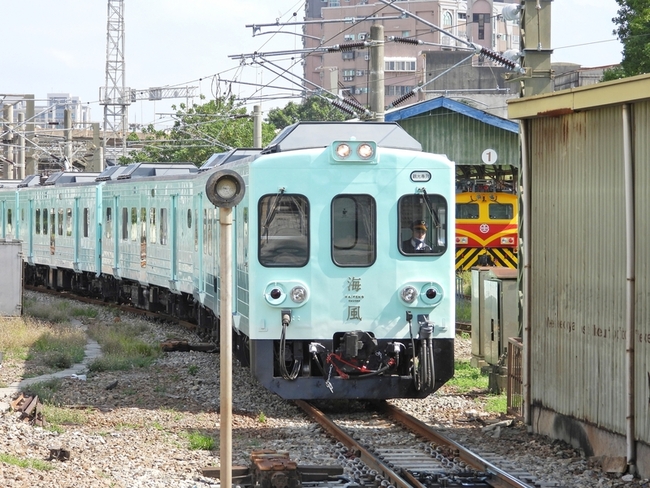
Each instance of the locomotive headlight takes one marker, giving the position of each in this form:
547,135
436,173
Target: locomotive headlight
461,240
507,240
343,150
409,294
365,151
298,294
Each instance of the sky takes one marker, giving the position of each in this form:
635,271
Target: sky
59,46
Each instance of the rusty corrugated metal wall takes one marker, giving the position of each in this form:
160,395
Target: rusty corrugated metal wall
641,123
578,267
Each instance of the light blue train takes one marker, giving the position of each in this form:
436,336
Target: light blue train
343,272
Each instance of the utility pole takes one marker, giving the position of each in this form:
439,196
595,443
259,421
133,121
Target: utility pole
535,43
377,72
257,127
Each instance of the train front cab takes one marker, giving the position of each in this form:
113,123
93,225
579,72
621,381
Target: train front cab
347,311
486,229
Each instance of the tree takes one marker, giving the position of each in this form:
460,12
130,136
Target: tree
313,108
198,132
633,31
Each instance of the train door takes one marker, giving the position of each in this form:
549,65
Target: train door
76,235
115,234
3,208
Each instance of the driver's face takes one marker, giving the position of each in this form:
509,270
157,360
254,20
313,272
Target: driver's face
419,231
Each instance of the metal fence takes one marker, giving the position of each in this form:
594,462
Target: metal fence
515,390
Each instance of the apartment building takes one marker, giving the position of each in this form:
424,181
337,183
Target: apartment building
405,65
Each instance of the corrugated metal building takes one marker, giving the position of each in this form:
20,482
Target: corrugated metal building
462,132
586,280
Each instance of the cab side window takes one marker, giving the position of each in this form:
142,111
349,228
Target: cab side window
283,231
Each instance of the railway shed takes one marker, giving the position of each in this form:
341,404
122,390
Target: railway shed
586,267
464,133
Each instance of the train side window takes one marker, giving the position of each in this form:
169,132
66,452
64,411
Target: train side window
163,226
354,230
60,221
45,214
37,221
501,211
422,224
283,230
52,222
109,223
152,225
467,210
9,223
134,224
189,218
143,237
68,222
125,224
86,222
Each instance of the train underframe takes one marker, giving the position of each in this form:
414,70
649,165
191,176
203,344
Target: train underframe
352,365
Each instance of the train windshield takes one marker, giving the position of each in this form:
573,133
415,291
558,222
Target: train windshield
423,224
501,211
354,224
283,230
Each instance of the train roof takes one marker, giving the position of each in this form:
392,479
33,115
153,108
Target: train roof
9,183
305,135
228,157
141,170
63,177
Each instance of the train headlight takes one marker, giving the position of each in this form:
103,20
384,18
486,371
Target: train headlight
298,294
507,241
343,150
365,151
353,151
462,240
409,294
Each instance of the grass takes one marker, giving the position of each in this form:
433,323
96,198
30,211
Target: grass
122,348
470,380
25,462
198,441
57,345
467,378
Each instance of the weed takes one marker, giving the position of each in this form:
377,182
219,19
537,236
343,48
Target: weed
463,310
122,347
25,462
193,369
200,441
46,390
467,378
261,418
497,403
58,416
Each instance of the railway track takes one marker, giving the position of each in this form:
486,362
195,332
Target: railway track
416,457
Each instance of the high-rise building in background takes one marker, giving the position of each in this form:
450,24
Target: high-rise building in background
407,66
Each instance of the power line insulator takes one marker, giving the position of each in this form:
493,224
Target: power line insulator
347,46
342,107
406,40
402,99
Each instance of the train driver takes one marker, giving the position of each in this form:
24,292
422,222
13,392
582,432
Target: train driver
417,242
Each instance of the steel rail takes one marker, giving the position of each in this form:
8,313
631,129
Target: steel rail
365,455
501,479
